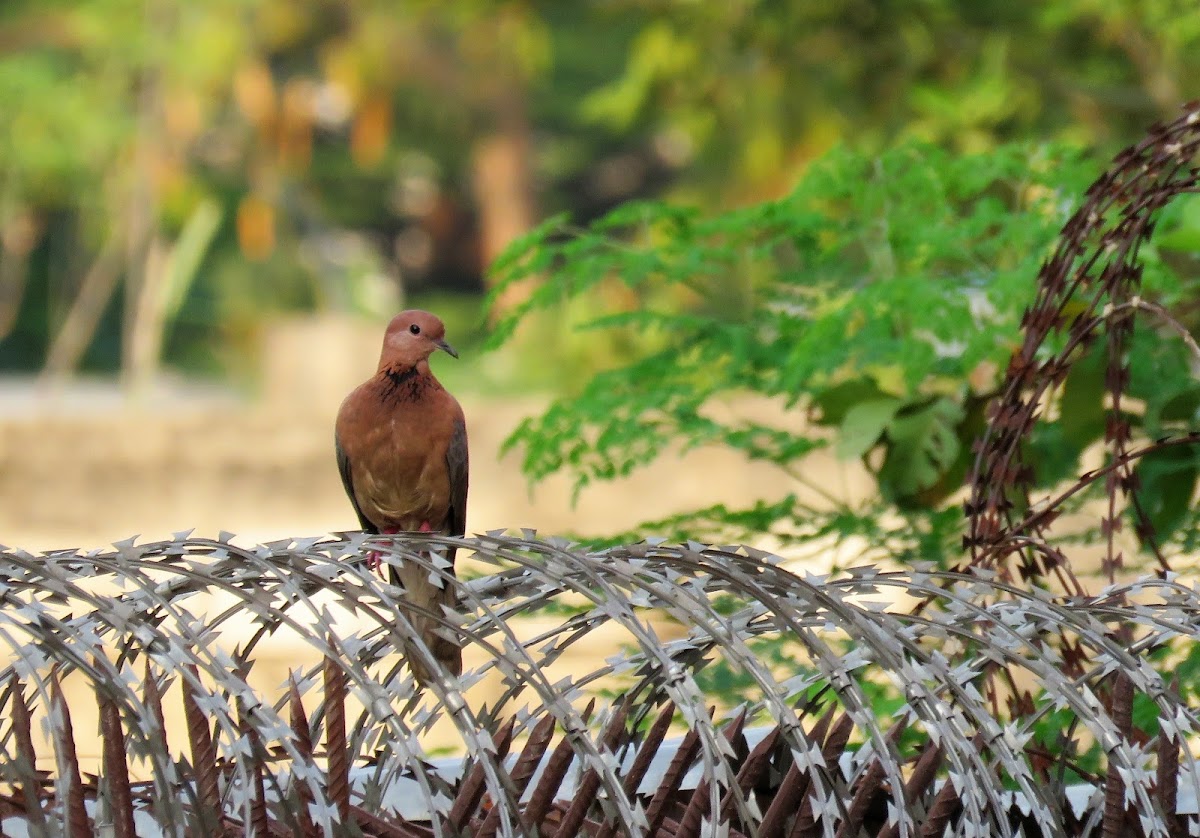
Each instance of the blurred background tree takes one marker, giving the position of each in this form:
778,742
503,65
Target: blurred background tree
173,173
757,89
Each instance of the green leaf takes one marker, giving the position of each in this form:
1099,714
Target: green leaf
1182,407
863,426
1145,714
1081,408
1187,671
1184,235
1167,479
922,445
1052,455
835,402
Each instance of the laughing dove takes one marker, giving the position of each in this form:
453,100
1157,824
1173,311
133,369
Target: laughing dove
402,452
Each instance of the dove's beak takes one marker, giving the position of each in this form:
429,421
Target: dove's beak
447,348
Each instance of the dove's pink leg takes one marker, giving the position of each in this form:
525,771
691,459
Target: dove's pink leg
375,558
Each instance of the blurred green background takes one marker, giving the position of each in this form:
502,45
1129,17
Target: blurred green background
174,174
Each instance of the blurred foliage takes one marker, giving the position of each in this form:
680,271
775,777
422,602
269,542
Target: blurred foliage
340,143
758,87
882,297
335,142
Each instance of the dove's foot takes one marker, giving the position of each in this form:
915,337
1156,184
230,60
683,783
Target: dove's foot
375,558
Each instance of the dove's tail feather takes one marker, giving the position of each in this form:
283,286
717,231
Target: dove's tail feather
424,593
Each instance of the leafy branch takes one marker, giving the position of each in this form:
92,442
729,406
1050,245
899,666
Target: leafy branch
879,300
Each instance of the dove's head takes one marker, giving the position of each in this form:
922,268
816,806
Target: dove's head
411,338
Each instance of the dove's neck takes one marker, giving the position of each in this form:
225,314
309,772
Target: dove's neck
407,382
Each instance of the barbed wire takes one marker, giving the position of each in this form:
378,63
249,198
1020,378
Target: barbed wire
136,615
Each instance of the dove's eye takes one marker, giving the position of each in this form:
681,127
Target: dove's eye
415,329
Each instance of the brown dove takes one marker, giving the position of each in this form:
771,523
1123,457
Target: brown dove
401,445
